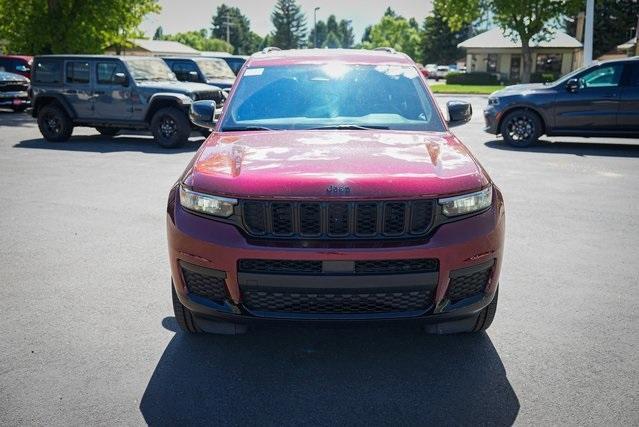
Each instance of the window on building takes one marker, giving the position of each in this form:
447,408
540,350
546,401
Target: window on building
78,72
549,63
492,62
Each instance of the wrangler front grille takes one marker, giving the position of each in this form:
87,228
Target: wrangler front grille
337,220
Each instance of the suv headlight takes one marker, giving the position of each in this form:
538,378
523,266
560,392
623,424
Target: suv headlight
467,203
206,204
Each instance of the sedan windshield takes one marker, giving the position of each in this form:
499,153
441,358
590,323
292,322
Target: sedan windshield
215,69
332,96
150,69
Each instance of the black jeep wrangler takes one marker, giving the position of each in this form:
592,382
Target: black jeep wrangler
112,93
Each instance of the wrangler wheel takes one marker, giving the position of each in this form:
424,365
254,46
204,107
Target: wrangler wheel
170,127
54,123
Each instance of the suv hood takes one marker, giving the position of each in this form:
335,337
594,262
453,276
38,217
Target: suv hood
303,164
177,87
520,89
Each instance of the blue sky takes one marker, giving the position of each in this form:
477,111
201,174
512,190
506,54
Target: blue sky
186,15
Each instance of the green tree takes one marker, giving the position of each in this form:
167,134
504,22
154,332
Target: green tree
395,32
523,20
439,42
289,23
71,26
239,28
614,23
347,38
332,41
342,32
322,32
200,40
159,33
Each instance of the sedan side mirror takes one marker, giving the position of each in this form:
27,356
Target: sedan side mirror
459,112
202,114
572,85
120,79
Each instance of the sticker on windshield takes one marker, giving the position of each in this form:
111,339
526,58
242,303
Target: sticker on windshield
253,72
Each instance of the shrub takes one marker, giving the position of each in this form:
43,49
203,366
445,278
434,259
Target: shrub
473,78
543,77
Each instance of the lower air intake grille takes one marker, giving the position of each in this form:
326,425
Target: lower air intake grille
203,284
464,286
331,302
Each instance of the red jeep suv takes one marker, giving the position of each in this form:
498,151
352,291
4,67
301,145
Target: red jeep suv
331,190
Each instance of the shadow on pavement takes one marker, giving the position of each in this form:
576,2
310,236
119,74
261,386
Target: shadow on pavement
318,376
105,144
11,118
576,148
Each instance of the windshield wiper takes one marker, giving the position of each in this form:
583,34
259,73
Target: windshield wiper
243,128
347,127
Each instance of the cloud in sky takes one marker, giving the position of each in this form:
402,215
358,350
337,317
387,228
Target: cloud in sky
186,15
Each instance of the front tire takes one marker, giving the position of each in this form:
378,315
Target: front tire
521,128
487,315
54,123
183,315
170,127
107,131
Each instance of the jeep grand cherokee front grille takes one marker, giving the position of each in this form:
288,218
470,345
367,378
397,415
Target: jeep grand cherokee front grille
337,220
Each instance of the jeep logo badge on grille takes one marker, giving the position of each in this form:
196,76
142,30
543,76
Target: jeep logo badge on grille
334,189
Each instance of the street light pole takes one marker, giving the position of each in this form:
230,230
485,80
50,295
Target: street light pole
590,12
315,26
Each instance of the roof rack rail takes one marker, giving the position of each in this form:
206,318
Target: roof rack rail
270,49
385,49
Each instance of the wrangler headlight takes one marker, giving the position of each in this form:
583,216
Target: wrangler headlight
206,204
467,203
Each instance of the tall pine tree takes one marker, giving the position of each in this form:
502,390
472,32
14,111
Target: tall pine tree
290,25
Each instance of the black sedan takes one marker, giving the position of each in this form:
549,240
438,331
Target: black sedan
14,91
600,100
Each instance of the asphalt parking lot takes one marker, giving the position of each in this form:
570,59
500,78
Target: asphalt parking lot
88,334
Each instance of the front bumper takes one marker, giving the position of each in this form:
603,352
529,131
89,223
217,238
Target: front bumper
14,100
491,118
212,246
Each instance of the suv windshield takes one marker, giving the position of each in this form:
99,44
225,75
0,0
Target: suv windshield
215,69
332,95
149,69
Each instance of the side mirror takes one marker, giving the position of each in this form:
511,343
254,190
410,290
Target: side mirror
202,114
193,77
120,79
572,85
459,112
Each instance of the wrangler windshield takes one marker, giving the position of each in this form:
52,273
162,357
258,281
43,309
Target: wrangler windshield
150,69
332,96
215,69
